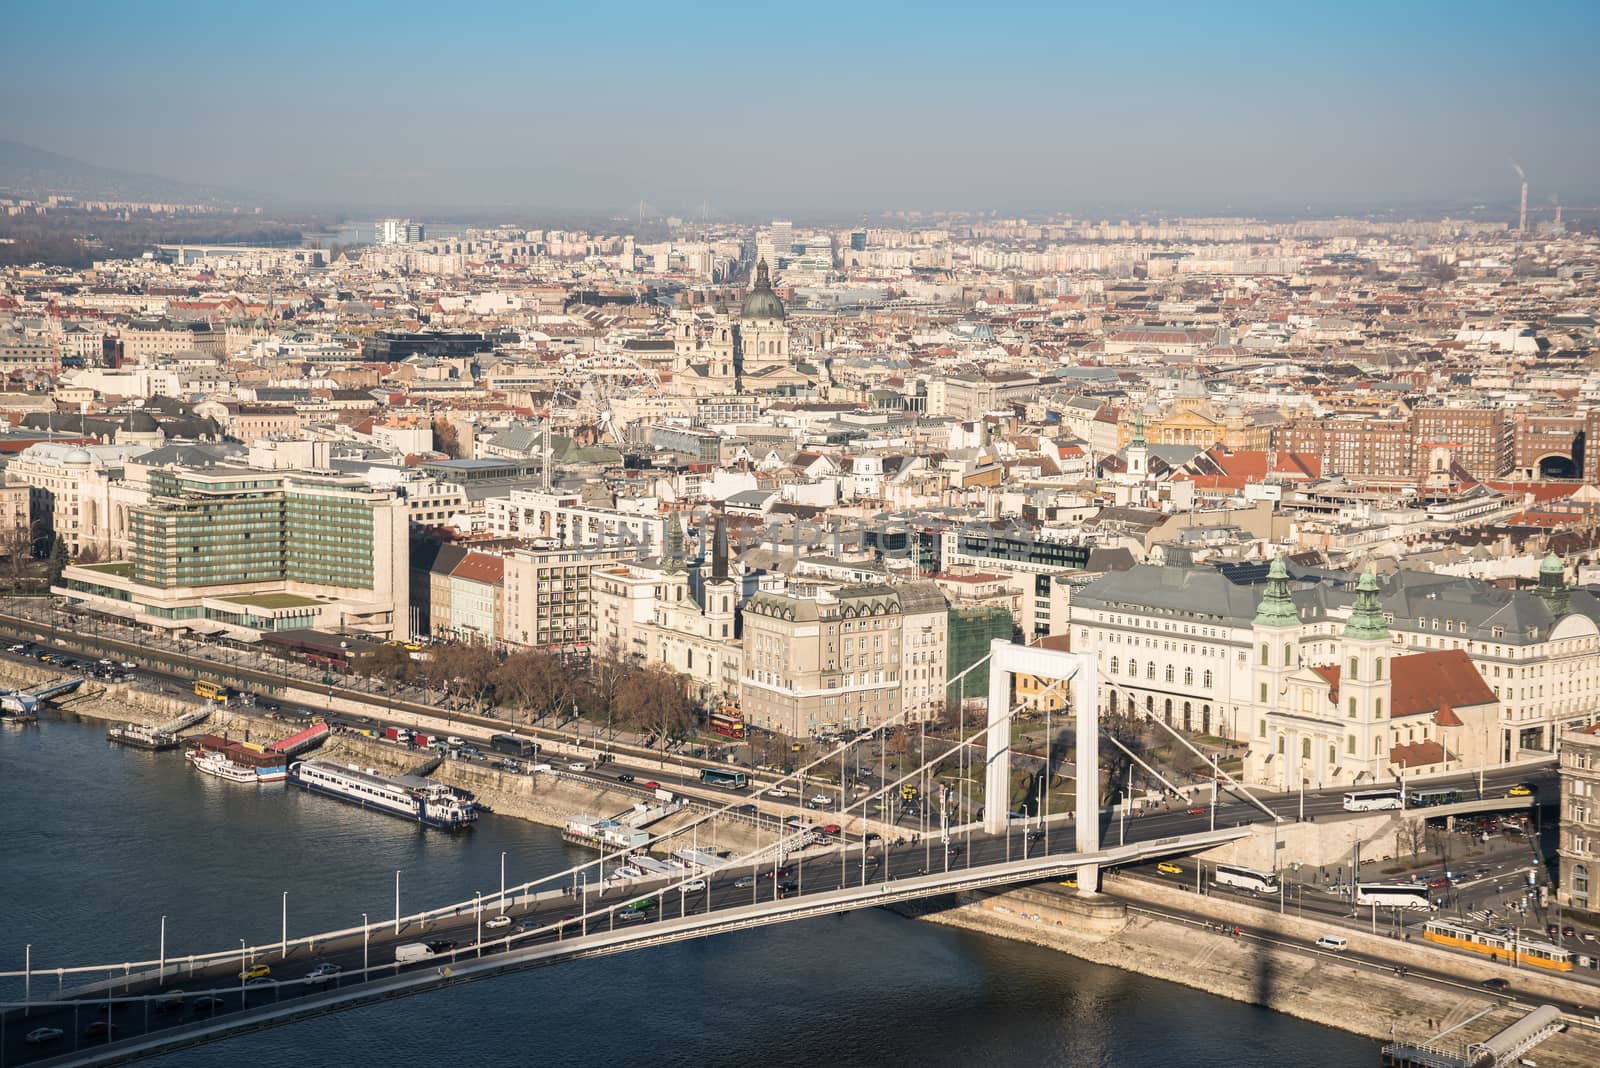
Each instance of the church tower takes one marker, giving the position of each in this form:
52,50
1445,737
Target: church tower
763,333
1364,681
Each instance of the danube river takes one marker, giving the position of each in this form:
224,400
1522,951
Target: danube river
101,842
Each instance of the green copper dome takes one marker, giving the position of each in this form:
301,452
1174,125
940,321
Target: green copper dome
1366,618
1277,607
762,302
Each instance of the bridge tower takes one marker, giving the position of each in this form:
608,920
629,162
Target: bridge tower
1083,697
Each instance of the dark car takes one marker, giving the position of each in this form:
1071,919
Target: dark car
441,945
872,838
624,777
1569,932
780,873
207,1004
956,851
99,1029
1035,836
1496,984
788,889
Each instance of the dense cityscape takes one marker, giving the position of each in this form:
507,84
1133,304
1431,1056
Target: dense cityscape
1081,636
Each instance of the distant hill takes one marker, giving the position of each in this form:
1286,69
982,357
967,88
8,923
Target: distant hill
27,171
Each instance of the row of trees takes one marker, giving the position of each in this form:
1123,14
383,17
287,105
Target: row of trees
609,690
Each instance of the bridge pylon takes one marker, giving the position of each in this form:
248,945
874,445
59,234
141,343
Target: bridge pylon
1083,686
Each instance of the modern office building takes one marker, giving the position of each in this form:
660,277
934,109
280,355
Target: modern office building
236,550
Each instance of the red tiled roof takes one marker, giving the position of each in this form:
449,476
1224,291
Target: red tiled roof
1443,679
1416,754
480,567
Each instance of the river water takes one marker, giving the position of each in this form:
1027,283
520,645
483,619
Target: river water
100,842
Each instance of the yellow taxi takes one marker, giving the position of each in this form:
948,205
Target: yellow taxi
258,971
1522,789
1070,882
1166,867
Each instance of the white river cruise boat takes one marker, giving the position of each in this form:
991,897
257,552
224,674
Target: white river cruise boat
430,803
223,768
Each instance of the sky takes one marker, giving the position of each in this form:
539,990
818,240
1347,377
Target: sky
822,107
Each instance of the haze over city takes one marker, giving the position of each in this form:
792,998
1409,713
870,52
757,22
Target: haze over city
735,534
822,108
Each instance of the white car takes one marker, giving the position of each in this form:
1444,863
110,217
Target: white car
577,767
777,791
42,1034
455,741
496,922
322,973
698,884
822,799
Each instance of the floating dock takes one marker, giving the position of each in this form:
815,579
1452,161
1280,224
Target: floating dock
165,736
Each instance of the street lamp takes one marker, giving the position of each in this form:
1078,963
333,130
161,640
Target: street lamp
502,880
283,945
365,929
397,901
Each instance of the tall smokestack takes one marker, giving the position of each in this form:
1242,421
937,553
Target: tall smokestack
1522,215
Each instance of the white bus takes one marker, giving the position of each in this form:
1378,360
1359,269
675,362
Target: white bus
1394,895
1257,882
1371,800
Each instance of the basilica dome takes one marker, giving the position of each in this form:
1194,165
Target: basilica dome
762,302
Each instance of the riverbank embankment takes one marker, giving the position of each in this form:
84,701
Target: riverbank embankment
1187,938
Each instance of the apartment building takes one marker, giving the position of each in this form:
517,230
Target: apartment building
1579,844
571,523
820,654
547,602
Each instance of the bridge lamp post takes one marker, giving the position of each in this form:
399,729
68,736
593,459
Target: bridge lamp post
244,968
365,929
161,970
283,944
397,900
502,880
584,929
477,910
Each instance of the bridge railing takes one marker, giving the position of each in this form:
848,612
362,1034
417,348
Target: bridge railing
522,893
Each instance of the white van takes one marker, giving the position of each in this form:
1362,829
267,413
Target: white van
1337,943
410,952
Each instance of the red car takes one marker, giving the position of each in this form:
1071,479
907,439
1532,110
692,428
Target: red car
652,785
1197,810
1437,881
831,828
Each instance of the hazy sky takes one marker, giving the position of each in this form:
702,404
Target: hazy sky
802,107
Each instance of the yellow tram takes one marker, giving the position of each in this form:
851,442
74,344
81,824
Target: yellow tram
1534,953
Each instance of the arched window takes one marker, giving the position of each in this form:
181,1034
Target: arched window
1264,654
1354,666
1133,668
1288,654
1169,711
1205,680
1188,676
1378,669
1305,749
1169,673
1150,671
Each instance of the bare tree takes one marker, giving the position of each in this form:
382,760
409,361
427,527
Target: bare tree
535,681
467,667
609,670
656,702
